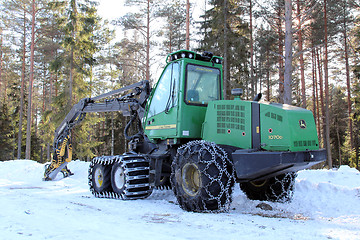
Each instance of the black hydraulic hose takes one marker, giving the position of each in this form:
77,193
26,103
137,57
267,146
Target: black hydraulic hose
140,134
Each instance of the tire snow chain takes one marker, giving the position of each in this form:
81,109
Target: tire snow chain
109,161
287,185
215,151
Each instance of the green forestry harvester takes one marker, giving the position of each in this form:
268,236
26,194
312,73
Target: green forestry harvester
192,140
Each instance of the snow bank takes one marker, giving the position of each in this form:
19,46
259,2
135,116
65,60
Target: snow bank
325,206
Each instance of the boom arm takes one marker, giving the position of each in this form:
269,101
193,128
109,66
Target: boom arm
128,105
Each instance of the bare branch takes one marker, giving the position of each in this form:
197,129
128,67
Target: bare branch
277,54
307,49
308,13
294,30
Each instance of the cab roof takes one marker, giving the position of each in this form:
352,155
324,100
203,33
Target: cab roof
205,56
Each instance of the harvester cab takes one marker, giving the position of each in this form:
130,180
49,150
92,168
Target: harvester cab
178,104
194,141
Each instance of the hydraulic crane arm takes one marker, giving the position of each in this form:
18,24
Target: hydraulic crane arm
131,104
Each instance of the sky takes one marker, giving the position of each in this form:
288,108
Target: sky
113,9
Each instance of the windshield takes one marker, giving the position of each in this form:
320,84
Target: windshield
202,84
165,95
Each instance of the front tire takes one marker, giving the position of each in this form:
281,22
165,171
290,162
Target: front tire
202,177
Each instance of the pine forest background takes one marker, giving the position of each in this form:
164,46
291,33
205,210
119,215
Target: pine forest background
54,53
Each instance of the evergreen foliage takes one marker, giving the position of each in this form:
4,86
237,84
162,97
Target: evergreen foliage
173,32
77,56
338,123
213,39
7,131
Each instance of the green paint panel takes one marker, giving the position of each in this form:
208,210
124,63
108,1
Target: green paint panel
190,121
228,122
162,125
287,128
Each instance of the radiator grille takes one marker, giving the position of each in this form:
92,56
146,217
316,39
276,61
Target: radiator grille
230,117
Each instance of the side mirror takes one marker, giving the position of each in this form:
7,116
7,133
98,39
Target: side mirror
257,97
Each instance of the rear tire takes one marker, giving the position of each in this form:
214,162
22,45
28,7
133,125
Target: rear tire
130,177
118,179
275,189
202,177
101,178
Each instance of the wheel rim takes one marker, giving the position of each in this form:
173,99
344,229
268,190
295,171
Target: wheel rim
99,177
119,178
191,179
258,183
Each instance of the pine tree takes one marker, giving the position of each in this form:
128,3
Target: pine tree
174,30
265,45
7,144
338,124
231,36
141,22
354,158
73,66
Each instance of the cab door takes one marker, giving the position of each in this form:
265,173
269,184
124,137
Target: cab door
162,111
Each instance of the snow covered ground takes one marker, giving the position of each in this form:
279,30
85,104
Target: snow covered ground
326,205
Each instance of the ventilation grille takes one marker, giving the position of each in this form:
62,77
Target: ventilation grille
305,143
274,116
230,117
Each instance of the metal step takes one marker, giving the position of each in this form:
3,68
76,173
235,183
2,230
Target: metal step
131,186
137,177
137,169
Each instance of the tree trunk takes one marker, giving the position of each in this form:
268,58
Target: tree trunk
1,57
225,71
48,155
327,115
147,70
71,77
31,80
72,67
321,93
313,69
347,68
252,81
338,142
280,58
187,25
357,153
171,36
302,68
22,91
288,52
268,74
315,95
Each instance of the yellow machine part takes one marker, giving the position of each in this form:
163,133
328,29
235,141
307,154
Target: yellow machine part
64,154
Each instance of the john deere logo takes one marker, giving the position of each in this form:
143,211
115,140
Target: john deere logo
302,124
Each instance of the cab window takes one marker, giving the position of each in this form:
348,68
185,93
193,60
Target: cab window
166,92
202,84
